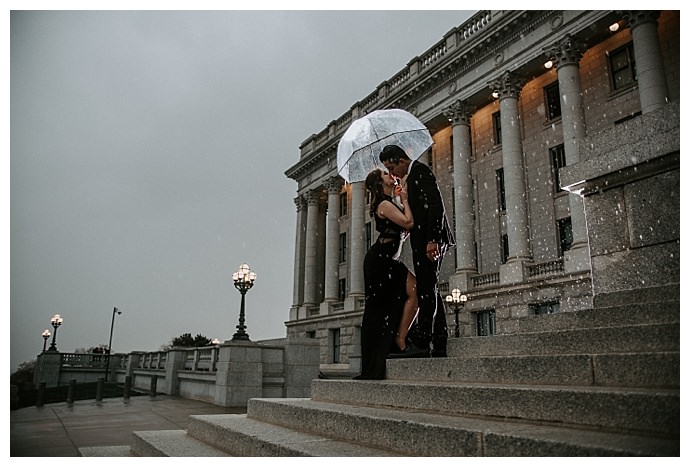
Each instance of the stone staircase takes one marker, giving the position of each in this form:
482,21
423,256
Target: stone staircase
588,383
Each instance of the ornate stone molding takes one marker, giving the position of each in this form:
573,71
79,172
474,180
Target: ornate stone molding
567,51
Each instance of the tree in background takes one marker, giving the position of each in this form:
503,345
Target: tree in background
186,340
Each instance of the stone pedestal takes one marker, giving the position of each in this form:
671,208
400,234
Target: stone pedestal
240,374
629,178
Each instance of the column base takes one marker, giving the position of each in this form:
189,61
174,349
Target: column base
577,259
513,272
461,280
354,302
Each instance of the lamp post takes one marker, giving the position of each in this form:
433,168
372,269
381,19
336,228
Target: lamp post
244,280
456,301
45,335
56,321
110,342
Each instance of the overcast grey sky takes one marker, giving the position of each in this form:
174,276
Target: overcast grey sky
148,151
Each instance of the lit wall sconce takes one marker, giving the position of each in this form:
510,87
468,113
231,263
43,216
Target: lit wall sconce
614,27
548,65
495,94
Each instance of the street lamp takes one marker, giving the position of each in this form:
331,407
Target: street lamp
244,280
110,342
456,301
46,335
56,321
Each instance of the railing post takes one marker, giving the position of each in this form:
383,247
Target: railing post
40,395
127,388
173,363
99,389
154,383
70,391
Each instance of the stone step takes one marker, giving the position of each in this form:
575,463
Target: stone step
664,337
171,443
634,410
416,433
622,315
650,370
242,436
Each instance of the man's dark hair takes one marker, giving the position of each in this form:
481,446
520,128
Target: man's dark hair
393,154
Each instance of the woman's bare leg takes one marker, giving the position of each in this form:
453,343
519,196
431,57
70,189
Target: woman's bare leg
409,311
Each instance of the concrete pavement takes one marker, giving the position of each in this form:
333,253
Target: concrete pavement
99,429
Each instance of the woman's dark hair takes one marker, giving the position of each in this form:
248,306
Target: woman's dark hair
374,183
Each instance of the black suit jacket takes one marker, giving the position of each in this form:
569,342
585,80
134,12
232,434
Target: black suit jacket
430,222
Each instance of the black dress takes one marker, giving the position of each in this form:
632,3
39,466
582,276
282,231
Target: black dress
385,295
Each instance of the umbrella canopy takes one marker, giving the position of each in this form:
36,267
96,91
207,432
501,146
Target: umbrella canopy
361,144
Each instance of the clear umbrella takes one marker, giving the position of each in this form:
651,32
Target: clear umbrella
361,144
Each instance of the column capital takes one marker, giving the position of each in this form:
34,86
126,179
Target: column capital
459,112
313,197
636,17
566,51
300,202
334,184
507,85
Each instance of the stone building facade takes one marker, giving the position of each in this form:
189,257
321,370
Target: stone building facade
509,98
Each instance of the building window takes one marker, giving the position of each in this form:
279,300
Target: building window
622,63
342,289
367,235
335,345
553,101
557,162
565,235
343,204
486,323
310,334
496,118
342,247
505,250
501,186
545,308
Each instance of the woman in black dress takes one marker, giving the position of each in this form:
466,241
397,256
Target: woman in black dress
390,297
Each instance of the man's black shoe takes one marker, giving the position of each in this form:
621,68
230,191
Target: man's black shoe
411,351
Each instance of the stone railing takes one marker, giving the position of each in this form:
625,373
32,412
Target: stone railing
547,268
227,374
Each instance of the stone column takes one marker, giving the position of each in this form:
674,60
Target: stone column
459,114
298,272
332,235
566,55
508,87
651,78
311,251
356,262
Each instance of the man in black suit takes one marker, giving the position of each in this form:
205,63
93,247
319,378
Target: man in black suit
430,238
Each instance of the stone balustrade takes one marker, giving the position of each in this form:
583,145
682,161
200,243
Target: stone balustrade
227,374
